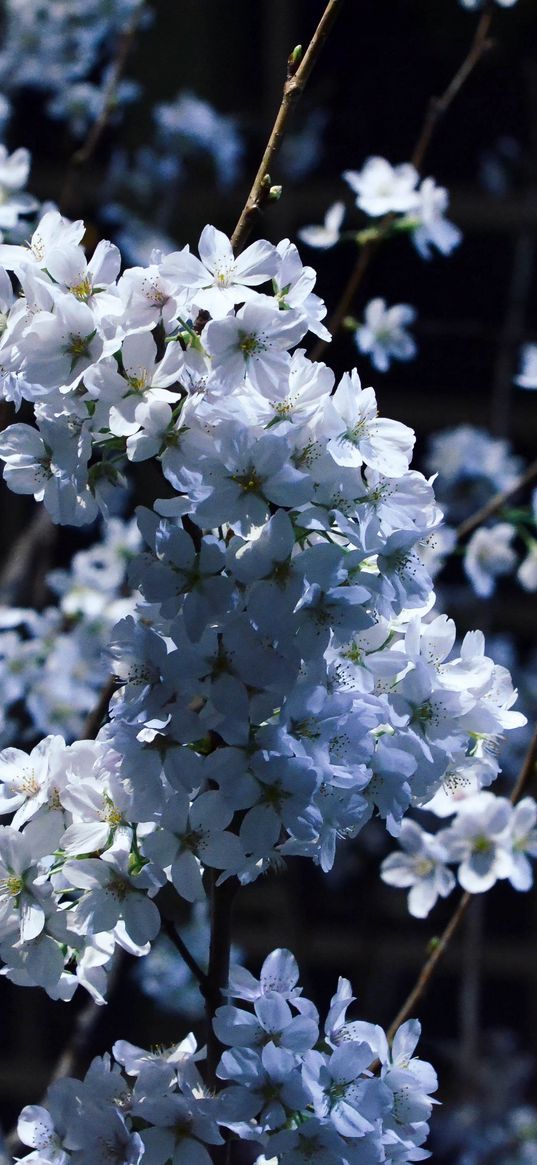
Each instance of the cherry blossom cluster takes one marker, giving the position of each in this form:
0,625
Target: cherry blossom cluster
52,662
489,839
283,677
64,44
393,199
416,205
342,1095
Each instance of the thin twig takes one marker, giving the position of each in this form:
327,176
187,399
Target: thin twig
294,86
437,107
83,155
496,503
429,966
527,770
193,966
440,944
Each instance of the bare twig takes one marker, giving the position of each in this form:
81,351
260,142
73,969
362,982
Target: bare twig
496,503
437,107
294,86
429,966
83,155
193,966
440,944
527,770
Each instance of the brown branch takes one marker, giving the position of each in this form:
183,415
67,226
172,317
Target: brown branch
496,503
98,713
193,966
84,154
294,86
425,975
437,107
527,770
429,966
22,575
221,902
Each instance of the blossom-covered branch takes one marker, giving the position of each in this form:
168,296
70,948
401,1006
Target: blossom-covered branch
439,945
436,109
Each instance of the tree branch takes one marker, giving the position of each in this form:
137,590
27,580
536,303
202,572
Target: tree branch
496,503
98,713
83,155
22,575
193,966
221,899
294,86
437,107
425,975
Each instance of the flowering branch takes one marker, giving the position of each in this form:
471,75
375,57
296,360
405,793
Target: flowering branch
294,86
83,155
496,502
439,945
437,107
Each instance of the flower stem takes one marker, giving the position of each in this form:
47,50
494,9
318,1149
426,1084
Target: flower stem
294,86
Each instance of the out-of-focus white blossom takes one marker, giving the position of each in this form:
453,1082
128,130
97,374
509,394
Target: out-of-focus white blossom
382,335
527,377
488,556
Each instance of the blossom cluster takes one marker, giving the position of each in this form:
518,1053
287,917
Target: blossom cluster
343,1096
489,839
52,662
283,675
417,207
394,199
